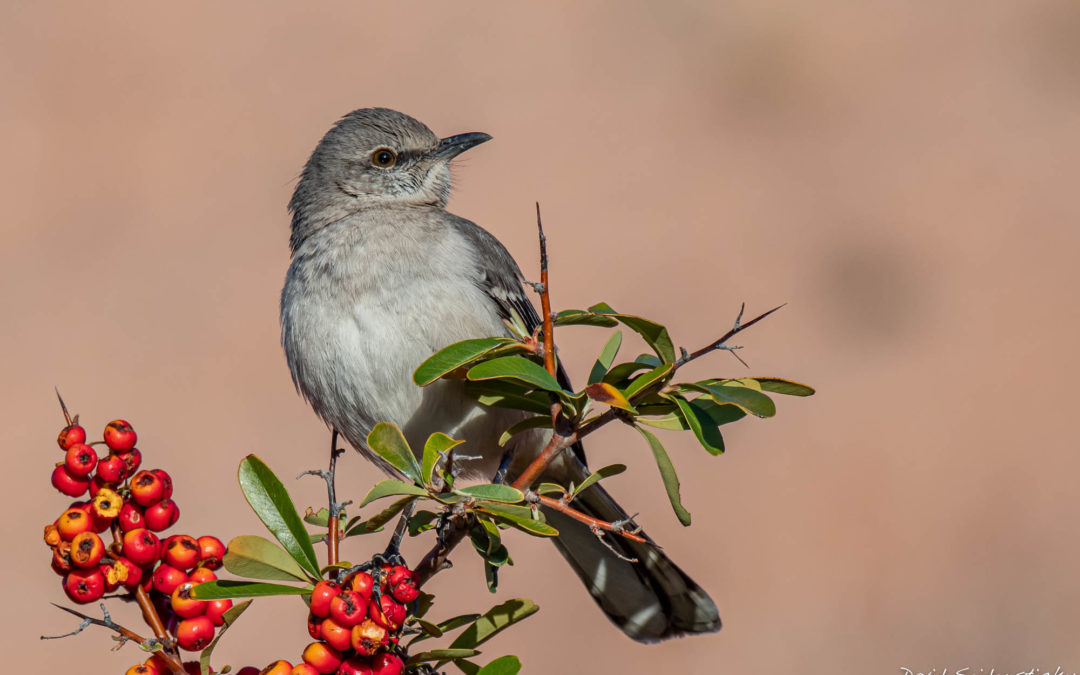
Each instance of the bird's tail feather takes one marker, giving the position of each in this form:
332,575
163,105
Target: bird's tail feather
639,588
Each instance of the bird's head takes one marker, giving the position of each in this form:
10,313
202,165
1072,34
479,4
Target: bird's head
374,158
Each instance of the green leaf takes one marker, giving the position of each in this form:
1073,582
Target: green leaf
504,665
422,521
606,358
440,655
623,371
605,472
538,422
227,588
390,487
229,617
467,667
453,357
386,441
320,518
699,422
648,379
491,575
778,386
577,317
437,444
718,415
512,395
750,400
516,368
493,492
254,557
520,517
448,625
549,488
376,522
430,629
272,504
602,392
667,473
493,621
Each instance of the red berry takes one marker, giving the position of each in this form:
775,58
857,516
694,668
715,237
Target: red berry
201,575
141,547
322,657
184,605
147,488
70,435
279,667
181,551
80,460
119,436
84,586
167,579
131,517
405,591
368,637
348,608
387,612
161,516
211,552
166,481
304,669
314,626
111,469
334,634
72,486
355,665
387,664
324,592
195,634
87,550
215,609
74,521
398,574
363,583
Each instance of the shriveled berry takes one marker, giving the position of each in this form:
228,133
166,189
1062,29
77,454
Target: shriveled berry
211,551
70,435
120,436
52,535
368,637
161,516
133,574
195,634
72,486
87,550
83,586
80,460
61,559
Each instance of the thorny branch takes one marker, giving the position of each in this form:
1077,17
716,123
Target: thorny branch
125,634
333,535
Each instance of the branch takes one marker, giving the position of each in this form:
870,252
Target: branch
738,327
125,634
333,536
437,559
593,523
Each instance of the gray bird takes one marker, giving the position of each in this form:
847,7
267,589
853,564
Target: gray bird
382,276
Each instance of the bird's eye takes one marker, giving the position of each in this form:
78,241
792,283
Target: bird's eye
383,157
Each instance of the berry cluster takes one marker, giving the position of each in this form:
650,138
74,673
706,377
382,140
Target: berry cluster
132,505
356,625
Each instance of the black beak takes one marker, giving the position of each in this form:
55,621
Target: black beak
455,145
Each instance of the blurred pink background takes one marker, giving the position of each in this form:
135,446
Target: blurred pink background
902,174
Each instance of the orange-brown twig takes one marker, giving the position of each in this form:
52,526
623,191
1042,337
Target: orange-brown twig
558,505
333,535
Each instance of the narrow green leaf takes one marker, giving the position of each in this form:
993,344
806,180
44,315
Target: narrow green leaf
519,517
515,368
623,371
698,420
465,666
449,625
718,414
254,557
390,487
493,492
493,621
376,522
271,502
440,655
606,358
491,576
655,335
453,357
577,317
778,386
667,473
538,422
430,629
645,380
437,444
227,588
422,521
504,665
549,488
229,617
602,392
605,472
387,441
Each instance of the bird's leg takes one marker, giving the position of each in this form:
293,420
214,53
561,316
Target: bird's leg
504,467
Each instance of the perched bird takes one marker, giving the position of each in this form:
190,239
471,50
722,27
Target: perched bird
382,276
